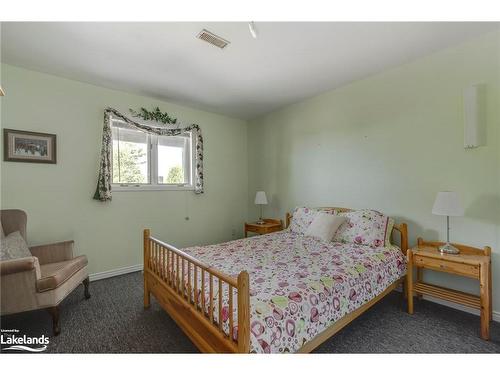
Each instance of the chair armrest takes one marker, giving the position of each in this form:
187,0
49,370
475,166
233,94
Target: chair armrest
52,253
11,266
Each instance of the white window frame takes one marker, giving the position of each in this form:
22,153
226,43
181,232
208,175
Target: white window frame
152,156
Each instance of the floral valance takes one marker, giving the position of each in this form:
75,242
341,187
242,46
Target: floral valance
103,191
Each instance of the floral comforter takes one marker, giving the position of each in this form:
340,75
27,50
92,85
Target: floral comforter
300,285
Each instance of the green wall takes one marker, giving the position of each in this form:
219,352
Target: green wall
390,142
58,198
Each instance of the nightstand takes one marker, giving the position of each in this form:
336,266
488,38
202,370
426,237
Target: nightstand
471,262
269,226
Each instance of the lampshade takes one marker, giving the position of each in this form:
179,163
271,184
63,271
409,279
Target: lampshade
447,203
260,197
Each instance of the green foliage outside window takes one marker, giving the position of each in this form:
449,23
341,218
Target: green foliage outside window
126,165
175,175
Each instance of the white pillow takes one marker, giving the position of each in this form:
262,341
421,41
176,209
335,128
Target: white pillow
302,217
324,226
13,246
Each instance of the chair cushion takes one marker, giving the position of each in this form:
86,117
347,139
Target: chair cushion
55,274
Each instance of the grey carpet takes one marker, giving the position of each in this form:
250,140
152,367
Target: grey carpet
114,321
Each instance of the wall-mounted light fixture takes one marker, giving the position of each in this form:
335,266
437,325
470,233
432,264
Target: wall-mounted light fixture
474,117
2,93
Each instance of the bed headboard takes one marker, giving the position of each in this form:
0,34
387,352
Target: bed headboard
399,228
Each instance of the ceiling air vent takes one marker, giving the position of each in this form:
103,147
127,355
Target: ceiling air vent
211,38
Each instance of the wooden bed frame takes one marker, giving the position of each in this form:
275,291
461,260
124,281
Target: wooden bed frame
163,264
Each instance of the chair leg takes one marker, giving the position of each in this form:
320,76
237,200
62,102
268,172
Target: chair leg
54,312
86,283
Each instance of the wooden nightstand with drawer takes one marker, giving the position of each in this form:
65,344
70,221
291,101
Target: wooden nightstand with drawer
269,226
471,262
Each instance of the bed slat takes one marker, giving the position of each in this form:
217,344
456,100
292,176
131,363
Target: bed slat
211,301
203,291
189,282
195,293
183,279
231,322
177,277
220,304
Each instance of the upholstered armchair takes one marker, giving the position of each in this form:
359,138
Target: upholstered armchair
43,280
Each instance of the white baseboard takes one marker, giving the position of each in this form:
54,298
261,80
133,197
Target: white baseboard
115,272
456,306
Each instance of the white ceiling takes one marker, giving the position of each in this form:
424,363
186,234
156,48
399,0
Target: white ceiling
288,61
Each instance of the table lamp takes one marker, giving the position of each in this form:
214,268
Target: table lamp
260,199
448,204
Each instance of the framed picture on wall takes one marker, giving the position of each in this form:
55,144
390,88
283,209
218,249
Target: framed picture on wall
29,147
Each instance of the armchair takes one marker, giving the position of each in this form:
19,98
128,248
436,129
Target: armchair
42,280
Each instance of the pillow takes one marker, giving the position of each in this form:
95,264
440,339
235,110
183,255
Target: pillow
324,226
14,246
303,217
363,227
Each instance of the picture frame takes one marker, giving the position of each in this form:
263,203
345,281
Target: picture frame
29,147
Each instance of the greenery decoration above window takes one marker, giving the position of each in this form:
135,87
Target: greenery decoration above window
155,115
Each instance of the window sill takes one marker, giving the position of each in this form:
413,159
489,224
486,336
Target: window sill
133,187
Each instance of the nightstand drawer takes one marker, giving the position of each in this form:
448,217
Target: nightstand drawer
262,230
466,270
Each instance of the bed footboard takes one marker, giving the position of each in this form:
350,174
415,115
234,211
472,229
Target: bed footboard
180,284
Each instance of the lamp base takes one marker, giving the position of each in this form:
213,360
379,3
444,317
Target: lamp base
260,221
448,248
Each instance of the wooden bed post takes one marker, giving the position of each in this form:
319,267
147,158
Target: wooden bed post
404,237
243,312
487,252
145,267
409,283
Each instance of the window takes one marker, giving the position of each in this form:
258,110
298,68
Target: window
143,161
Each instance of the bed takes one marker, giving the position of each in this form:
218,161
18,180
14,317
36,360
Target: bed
276,293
